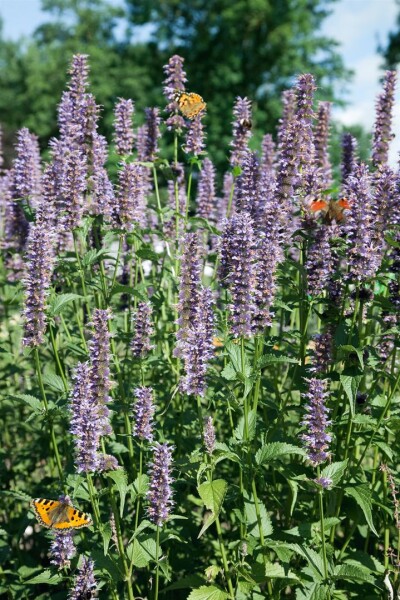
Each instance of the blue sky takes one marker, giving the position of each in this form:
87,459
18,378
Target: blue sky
358,25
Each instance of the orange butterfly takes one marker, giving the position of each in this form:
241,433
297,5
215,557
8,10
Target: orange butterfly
59,515
189,103
332,209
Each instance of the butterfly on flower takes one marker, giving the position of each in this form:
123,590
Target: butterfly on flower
59,515
333,210
189,103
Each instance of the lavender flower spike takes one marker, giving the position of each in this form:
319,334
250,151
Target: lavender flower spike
143,413
206,191
27,170
241,130
85,425
383,123
195,136
321,140
99,352
62,549
209,436
237,270
39,269
160,492
153,121
123,135
197,350
131,196
175,81
85,583
349,158
143,330
316,439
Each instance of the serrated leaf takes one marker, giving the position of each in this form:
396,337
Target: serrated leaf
235,355
54,381
208,592
239,432
273,450
352,573
121,483
141,551
350,385
349,349
212,493
252,521
229,372
362,495
335,471
45,577
106,534
61,301
314,560
268,359
32,401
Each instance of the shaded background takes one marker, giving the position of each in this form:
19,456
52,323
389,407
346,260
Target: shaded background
231,48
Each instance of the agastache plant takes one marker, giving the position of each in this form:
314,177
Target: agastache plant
153,134
142,330
159,495
85,583
143,414
209,436
246,196
349,156
316,438
383,122
321,141
205,204
123,129
194,143
27,169
62,549
37,280
174,82
242,124
131,196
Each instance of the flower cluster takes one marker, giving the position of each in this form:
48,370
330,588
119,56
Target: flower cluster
143,330
123,134
143,410
160,492
316,439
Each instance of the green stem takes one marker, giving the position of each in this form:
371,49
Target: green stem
155,597
322,526
57,357
46,407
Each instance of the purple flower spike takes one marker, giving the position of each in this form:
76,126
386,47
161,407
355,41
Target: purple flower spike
62,549
237,270
349,156
304,123
320,261
197,349
143,330
209,436
27,170
143,410
195,136
206,191
242,125
39,269
323,352
324,482
267,153
85,583
123,135
102,189
99,352
316,439
160,492
288,110
153,134
189,288
383,123
85,424
174,81
131,201
321,141
246,196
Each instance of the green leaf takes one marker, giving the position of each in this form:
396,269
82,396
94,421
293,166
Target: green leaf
208,592
252,522
335,471
54,381
235,355
270,452
212,493
106,533
350,385
121,483
58,302
353,573
349,349
314,560
269,359
45,577
142,551
33,402
362,495
147,253
239,432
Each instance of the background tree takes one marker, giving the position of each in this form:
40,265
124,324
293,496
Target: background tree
251,48
391,52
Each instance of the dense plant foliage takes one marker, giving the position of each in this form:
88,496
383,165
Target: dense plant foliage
212,376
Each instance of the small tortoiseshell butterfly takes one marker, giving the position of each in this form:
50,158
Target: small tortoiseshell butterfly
58,515
332,209
189,103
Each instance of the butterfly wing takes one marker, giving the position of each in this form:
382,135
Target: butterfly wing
319,205
59,515
190,104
